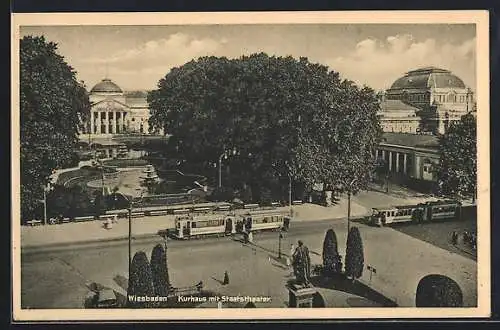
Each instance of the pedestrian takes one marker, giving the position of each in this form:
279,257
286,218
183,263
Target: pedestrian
454,238
226,278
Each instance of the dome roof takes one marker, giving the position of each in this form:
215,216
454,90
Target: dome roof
429,77
106,86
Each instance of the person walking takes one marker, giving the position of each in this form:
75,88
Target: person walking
226,278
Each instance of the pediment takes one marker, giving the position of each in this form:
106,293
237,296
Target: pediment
110,105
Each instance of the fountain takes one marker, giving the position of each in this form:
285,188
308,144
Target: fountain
151,177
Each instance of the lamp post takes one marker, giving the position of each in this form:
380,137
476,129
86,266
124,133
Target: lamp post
290,193
44,205
130,205
225,156
349,206
279,243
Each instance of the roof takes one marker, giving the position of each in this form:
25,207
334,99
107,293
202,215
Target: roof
411,140
428,77
106,86
396,105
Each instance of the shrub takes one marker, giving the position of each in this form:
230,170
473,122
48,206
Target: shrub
331,257
140,281
159,270
438,291
354,260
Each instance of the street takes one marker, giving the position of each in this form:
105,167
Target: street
59,279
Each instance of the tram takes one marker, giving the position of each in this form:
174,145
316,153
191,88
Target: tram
199,226
425,212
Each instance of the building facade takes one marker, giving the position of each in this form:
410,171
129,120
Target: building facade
431,96
410,159
115,112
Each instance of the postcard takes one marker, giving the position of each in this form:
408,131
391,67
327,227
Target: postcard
250,166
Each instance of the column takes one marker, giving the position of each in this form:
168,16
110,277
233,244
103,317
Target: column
99,119
114,121
376,153
106,122
124,123
397,162
404,163
390,161
92,122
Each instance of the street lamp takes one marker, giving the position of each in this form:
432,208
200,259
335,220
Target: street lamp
130,201
279,243
45,190
349,206
225,156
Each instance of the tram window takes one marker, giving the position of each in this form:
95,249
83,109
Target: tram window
193,224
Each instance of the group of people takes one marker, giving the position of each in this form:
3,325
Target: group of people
468,238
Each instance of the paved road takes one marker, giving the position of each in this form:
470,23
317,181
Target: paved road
58,279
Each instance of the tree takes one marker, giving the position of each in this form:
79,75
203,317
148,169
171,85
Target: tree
52,107
438,291
68,202
354,259
457,169
275,112
331,257
159,271
140,283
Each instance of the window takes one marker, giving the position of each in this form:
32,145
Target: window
133,119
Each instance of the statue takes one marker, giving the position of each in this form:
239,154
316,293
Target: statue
302,264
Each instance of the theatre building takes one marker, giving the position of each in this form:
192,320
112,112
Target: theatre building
425,100
410,159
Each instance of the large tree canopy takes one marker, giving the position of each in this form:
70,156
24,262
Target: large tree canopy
283,116
457,170
52,103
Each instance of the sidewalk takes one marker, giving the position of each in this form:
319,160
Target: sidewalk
94,231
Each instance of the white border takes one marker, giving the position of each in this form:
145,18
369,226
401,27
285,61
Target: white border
480,18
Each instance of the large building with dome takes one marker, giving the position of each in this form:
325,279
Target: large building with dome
425,100
114,111
414,111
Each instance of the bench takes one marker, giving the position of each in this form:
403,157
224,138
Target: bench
223,208
202,209
181,211
275,204
86,218
298,202
137,214
250,206
34,222
159,212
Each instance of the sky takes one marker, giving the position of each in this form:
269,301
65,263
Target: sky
137,57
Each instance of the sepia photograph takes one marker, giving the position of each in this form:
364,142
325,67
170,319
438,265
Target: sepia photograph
250,165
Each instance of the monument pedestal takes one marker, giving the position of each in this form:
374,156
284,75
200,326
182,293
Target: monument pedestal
300,296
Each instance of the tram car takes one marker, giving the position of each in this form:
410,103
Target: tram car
425,212
259,222
197,226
